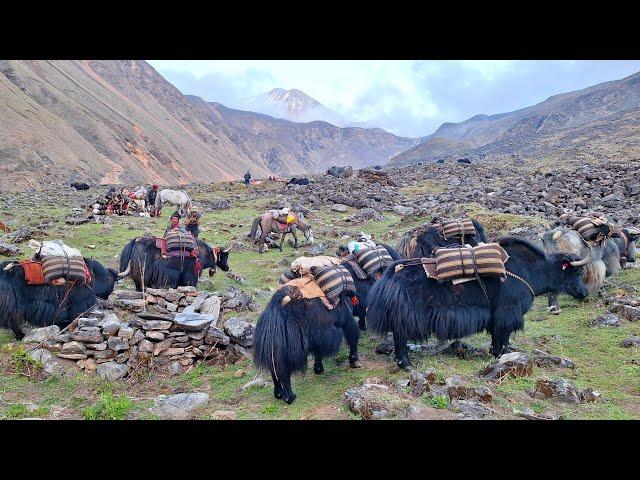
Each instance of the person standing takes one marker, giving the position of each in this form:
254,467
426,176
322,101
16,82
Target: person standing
152,193
247,177
192,222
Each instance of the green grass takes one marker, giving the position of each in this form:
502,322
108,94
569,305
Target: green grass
109,407
600,362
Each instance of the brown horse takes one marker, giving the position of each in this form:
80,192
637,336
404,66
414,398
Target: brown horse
268,225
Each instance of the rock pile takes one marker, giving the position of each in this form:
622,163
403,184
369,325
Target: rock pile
168,330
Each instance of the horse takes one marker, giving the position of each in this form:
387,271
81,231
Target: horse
268,224
174,197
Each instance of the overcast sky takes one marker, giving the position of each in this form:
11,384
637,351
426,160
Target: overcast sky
409,98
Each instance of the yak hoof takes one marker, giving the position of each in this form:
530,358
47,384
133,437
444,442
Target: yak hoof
404,365
278,393
318,369
290,398
355,364
554,310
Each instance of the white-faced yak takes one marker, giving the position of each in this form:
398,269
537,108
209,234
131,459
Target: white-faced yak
604,259
44,305
291,328
421,242
415,307
141,255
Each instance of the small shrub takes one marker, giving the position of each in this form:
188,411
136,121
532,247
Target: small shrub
23,363
269,409
439,401
18,410
109,407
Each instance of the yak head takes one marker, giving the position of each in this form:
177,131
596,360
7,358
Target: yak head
567,270
213,257
103,279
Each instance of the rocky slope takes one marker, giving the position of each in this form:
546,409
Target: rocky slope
122,122
599,122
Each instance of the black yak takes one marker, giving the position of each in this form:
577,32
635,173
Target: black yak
290,328
364,286
421,241
415,307
44,305
79,186
141,255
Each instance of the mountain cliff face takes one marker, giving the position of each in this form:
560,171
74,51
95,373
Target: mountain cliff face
122,122
577,123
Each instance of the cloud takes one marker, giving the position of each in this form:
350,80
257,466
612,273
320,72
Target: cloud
410,98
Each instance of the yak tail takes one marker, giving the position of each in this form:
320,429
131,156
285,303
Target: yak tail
125,256
254,228
379,317
10,304
279,344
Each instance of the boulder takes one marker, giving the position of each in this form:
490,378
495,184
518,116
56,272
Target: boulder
112,370
180,406
51,365
607,320
560,390
191,321
469,410
516,364
240,331
38,335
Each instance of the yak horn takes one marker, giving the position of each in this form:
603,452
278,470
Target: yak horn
8,267
126,272
556,235
285,300
584,261
226,250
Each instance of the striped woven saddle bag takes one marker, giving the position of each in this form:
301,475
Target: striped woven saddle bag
593,229
373,259
470,262
334,280
462,227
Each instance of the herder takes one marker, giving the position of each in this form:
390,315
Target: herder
247,177
192,222
174,224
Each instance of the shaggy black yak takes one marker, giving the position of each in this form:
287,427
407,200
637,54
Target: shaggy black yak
290,328
415,307
422,241
80,186
44,305
141,255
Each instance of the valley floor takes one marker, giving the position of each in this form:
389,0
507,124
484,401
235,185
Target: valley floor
600,361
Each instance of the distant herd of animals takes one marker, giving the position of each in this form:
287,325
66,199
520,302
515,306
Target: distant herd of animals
445,279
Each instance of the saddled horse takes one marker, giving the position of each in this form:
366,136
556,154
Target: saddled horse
174,197
268,225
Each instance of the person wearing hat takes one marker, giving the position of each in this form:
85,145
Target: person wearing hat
152,193
247,178
364,241
192,222
174,224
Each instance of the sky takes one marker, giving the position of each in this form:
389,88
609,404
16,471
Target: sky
406,97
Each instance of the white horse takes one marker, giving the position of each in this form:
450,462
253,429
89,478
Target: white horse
174,197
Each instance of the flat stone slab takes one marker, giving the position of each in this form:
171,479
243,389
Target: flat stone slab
38,335
180,406
193,321
112,370
154,316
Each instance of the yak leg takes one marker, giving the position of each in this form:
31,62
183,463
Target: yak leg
288,395
282,237
318,368
401,352
554,306
352,336
500,343
277,386
261,240
295,237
